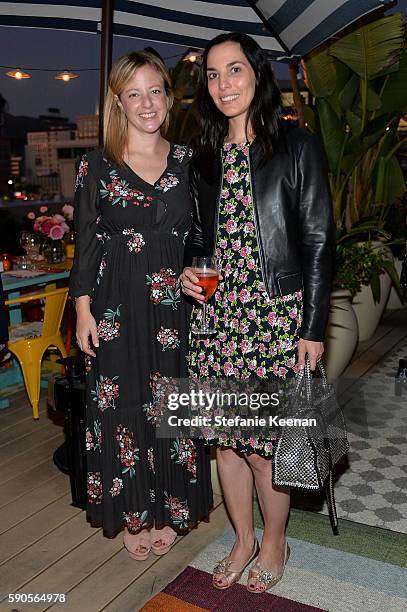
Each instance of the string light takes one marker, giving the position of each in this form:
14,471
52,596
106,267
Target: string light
192,56
66,76
18,74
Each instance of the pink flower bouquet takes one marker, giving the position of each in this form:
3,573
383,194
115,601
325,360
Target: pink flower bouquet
53,227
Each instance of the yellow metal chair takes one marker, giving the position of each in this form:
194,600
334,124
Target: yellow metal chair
30,350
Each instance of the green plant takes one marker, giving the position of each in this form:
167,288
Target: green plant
362,264
358,84
184,115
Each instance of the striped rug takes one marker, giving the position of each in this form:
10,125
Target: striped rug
362,570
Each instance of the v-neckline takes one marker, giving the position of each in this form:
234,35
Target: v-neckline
140,178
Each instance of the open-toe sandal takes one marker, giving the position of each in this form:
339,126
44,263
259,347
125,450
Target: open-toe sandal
137,545
264,577
166,536
222,569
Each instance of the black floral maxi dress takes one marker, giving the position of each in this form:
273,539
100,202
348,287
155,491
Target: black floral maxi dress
257,336
128,256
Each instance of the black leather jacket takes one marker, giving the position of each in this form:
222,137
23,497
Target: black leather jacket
293,219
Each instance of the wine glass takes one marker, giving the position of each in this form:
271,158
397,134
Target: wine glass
29,241
24,240
206,269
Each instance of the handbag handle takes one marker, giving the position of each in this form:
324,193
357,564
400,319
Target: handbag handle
306,375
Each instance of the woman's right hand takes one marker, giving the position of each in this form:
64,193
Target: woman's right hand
189,286
85,326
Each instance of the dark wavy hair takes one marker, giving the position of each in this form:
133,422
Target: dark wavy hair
265,110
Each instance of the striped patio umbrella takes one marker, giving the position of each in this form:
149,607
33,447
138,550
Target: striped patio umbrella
283,27
287,29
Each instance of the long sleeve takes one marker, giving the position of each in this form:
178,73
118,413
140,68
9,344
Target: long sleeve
87,246
194,244
317,239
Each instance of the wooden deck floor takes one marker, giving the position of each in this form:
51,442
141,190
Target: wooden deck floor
46,545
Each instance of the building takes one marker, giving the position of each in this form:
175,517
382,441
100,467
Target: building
4,166
88,126
51,155
16,166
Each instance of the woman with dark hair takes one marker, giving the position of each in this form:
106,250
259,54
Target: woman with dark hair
263,208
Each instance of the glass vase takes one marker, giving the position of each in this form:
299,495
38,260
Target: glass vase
54,251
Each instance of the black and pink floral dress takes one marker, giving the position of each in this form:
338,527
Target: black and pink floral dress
257,336
128,256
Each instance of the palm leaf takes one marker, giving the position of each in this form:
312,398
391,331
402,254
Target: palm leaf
394,94
394,185
390,268
309,116
320,74
333,133
375,287
343,79
348,92
370,49
355,122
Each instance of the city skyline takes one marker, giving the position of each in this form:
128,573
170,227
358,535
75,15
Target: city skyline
44,48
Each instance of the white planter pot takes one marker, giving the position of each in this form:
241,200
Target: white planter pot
394,301
367,312
215,478
341,335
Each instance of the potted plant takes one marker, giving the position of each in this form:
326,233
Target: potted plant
359,97
342,333
396,225
366,270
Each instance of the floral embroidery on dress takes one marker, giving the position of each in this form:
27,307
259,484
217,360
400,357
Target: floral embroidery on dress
128,454
136,242
165,288
102,268
117,486
167,182
109,329
179,511
103,237
179,152
135,520
183,451
106,392
118,191
94,441
168,338
151,459
160,387
184,235
94,487
82,172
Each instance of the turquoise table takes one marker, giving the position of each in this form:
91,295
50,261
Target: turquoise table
12,286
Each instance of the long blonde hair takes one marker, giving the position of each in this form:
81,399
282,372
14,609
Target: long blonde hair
114,119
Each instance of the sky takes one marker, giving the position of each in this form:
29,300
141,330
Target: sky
44,48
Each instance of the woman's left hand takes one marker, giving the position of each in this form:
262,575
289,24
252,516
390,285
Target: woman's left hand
314,350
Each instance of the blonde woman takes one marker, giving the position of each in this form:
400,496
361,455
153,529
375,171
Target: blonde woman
132,211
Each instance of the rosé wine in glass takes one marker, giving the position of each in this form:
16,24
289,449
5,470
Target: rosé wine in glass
206,270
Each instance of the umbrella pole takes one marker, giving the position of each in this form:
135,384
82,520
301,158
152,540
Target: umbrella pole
296,94
106,46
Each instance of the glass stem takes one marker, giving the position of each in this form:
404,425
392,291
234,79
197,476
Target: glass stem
204,317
